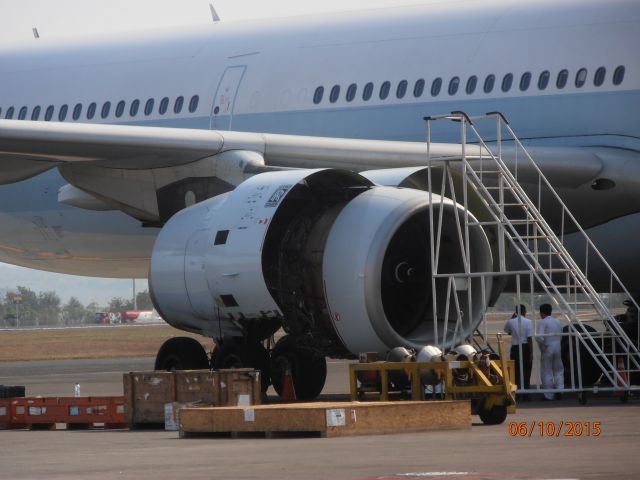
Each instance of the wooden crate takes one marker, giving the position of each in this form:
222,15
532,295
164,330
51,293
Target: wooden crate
146,393
328,419
241,386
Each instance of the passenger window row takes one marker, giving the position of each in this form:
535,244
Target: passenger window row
104,111
472,82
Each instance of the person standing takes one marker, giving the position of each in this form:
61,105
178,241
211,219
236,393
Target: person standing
552,370
521,330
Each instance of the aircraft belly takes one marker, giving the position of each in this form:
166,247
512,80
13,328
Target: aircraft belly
38,232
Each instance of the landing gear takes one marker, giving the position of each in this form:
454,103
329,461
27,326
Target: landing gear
237,353
181,353
308,370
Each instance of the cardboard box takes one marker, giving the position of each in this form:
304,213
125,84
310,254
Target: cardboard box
147,393
238,387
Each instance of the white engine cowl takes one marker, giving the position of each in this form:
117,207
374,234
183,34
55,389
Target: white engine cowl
344,265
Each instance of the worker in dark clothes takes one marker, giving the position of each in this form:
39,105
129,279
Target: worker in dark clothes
521,330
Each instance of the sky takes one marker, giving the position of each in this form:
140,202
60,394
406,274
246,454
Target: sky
81,18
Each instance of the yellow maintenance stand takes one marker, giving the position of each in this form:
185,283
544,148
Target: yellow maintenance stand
486,383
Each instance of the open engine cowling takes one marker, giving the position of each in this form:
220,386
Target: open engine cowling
342,264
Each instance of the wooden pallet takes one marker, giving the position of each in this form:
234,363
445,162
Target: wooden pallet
327,419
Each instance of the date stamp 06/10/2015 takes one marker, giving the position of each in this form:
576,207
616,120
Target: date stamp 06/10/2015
560,428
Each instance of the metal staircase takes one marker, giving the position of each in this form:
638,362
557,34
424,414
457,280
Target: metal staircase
490,173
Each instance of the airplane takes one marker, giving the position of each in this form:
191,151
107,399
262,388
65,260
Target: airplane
250,169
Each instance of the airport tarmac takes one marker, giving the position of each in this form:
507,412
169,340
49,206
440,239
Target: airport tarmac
483,452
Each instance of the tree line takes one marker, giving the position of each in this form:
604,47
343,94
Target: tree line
24,307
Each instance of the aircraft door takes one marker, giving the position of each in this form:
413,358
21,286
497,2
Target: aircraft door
225,97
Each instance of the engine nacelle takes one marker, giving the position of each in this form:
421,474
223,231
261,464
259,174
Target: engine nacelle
342,264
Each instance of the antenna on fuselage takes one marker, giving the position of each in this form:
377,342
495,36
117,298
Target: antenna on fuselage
214,14
35,32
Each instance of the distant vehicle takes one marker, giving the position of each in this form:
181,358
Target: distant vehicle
139,316
107,318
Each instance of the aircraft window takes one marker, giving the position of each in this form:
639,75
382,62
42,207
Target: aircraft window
133,108
62,114
525,81
561,81
120,108
177,107
9,114
106,106
335,93
384,90
436,86
91,110
317,96
418,88
35,115
368,91
148,107
507,80
77,111
23,113
471,84
543,80
164,104
48,115
401,90
454,83
598,78
618,75
489,82
193,103
581,77
351,92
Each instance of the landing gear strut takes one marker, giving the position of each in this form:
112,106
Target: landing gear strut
308,370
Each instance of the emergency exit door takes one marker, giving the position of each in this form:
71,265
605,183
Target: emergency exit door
225,97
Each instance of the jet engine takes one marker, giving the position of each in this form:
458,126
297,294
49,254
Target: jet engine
342,264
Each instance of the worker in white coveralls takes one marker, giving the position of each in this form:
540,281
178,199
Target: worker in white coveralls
552,370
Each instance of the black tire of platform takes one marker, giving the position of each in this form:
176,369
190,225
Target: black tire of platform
494,416
308,370
237,354
181,353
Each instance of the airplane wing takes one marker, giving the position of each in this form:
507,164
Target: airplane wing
147,171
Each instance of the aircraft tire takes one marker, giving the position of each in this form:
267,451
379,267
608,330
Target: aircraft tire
308,370
181,353
234,353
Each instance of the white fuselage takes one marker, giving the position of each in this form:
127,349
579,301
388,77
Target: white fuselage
264,77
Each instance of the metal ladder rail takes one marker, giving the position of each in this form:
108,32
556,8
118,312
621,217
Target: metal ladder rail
617,333
543,278
611,323
574,271
561,253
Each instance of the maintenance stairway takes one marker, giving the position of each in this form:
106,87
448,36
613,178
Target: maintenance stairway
488,174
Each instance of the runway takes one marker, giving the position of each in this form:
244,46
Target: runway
483,452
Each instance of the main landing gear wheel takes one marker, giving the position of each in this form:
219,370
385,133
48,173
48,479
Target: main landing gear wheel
234,353
308,370
181,353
